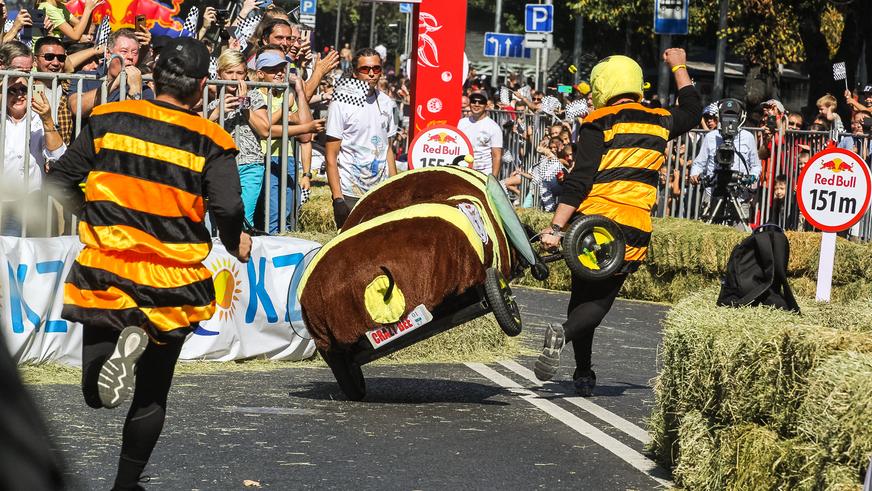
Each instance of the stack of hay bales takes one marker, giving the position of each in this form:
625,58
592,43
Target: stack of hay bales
687,256
758,398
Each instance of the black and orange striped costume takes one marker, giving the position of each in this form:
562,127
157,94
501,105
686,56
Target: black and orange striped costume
148,166
619,153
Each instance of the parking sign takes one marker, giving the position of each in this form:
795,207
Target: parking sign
308,7
539,17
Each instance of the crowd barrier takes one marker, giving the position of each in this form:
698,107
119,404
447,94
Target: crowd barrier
677,197
255,315
41,215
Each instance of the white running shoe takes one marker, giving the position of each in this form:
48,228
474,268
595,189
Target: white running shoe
116,380
549,361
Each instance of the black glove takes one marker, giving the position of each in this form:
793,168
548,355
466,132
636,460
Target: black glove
340,211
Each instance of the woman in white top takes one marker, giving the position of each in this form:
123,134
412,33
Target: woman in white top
25,151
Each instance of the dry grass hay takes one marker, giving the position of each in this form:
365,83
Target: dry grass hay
836,415
316,215
746,365
698,466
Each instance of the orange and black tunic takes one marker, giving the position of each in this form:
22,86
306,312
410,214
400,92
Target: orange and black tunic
619,153
148,165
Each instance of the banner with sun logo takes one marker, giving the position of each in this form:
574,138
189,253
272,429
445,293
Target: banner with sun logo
254,314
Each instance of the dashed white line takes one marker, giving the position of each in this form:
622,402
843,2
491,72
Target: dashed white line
586,405
584,428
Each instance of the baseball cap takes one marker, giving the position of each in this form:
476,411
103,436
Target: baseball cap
711,110
867,89
188,53
772,102
269,59
478,96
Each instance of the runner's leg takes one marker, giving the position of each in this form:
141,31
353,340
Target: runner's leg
145,419
588,304
98,343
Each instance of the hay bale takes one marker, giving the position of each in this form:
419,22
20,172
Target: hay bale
836,414
747,364
698,465
316,215
753,457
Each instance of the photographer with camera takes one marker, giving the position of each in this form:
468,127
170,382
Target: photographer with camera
773,128
728,166
861,129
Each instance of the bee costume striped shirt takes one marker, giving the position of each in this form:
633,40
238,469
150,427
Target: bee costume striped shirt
148,166
619,152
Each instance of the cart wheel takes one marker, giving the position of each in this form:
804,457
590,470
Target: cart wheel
347,373
594,247
502,302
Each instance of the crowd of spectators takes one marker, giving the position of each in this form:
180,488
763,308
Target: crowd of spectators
524,136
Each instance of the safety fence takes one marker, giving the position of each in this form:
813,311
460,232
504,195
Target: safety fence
25,213
27,210
787,152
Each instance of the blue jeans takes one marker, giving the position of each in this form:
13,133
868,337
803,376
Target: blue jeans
251,181
292,196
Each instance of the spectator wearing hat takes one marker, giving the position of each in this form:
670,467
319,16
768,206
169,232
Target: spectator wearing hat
865,99
485,135
139,286
710,117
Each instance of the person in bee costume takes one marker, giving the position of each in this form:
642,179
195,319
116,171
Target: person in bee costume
619,152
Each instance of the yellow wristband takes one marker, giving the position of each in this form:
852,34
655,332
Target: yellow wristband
678,67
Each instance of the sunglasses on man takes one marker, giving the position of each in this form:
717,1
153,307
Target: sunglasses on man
477,100
376,69
53,57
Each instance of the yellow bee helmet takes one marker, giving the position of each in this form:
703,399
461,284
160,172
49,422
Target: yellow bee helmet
614,76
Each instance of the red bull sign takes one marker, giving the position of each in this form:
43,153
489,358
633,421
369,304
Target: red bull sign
161,17
439,145
833,189
437,63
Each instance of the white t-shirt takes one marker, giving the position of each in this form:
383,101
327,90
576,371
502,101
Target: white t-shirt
484,135
364,132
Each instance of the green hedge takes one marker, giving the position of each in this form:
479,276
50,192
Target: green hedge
764,399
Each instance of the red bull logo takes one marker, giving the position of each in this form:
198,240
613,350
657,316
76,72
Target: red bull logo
442,138
838,165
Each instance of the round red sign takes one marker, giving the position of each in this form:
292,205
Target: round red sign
833,189
438,145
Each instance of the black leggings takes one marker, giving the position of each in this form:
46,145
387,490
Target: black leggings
589,303
145,419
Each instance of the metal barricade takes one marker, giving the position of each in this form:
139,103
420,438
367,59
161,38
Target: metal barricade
27,208
522,133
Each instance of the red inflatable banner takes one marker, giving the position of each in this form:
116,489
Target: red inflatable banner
438,74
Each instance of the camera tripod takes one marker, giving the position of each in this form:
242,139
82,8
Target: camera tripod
727,210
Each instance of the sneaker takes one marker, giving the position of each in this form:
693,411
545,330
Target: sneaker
549,361
585,384
115,383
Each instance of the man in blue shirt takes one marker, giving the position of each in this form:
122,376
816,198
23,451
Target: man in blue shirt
746,160
122,54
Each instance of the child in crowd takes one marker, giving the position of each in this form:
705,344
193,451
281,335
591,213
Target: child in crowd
827,108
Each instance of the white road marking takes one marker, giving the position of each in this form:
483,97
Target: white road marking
584,428
586,405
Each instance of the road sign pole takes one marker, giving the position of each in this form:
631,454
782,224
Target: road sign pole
545,62
663,74
721,53
825,267
372,25
538,54
576,53
496,67
338,24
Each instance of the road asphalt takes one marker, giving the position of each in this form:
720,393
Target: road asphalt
433,426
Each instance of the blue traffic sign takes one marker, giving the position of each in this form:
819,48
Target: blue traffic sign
308,7
405,8
499,45
670,17
539,18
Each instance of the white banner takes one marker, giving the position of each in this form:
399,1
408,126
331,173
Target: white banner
254,317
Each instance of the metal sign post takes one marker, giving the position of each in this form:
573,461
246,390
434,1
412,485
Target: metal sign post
539,24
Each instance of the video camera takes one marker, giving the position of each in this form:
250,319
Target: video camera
731,114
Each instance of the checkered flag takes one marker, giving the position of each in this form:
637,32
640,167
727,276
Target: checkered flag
577,109
525,92
190,24
245,28
8,26
103,32
304,195
550,105
840,72
505,96
213,67
350,91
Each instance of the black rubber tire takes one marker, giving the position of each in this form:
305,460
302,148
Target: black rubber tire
502,303
610,259
348,374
